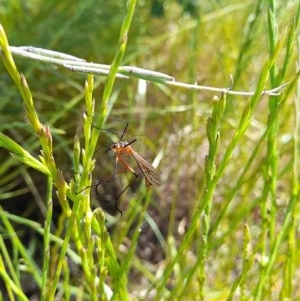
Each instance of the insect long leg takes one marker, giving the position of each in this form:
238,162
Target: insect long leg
124,131
105,180
112,178
132,141
102,181
118,196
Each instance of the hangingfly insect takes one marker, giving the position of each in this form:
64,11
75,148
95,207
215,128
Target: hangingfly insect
122,149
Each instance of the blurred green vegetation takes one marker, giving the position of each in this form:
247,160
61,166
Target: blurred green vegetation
194,41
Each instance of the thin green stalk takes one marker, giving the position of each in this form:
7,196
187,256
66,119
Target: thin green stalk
272,159
248,262
82,235
193,68
291,267
66,281
83,178
31,264
11,286
133,212
249,34
288,226
269,213
291,37
10,267
290,263
214,227
210,170
130,6
47,231
54,283
246,259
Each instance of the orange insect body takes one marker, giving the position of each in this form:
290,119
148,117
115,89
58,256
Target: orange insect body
152,177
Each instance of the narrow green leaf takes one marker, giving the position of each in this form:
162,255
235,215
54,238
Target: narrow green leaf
22,155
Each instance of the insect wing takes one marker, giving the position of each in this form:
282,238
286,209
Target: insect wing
152,177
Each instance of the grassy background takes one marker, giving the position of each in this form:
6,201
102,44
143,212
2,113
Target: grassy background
224,224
